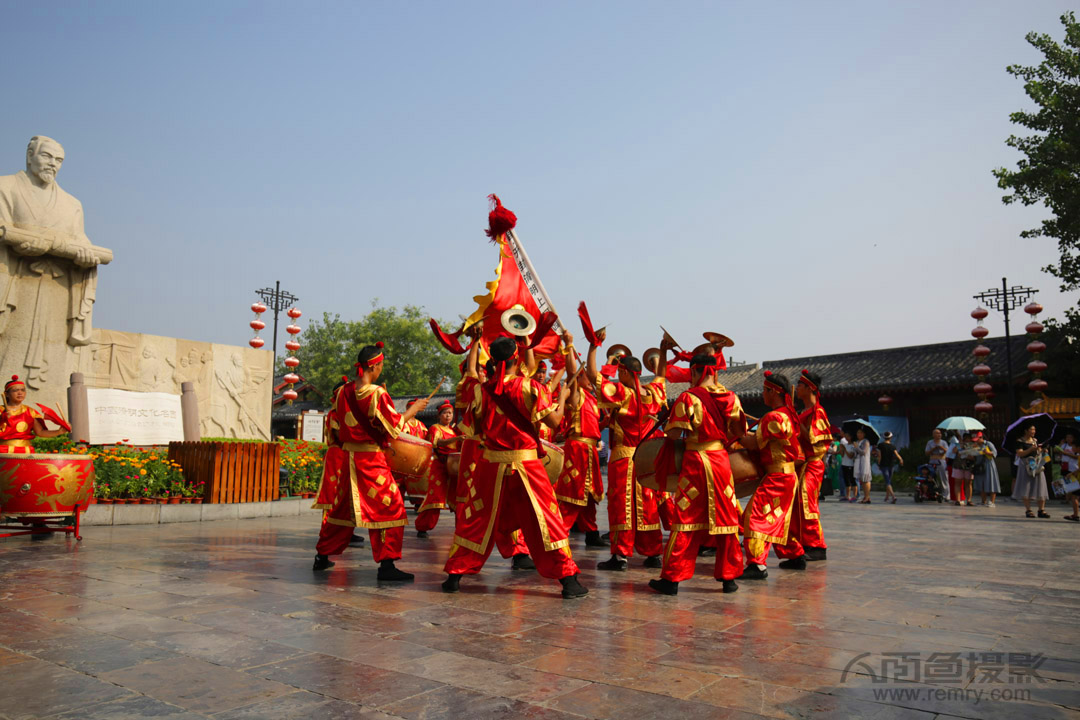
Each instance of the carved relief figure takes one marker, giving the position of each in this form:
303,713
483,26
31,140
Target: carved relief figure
48,269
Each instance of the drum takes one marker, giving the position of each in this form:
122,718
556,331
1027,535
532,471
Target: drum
45,485
553,462
744,466
409,459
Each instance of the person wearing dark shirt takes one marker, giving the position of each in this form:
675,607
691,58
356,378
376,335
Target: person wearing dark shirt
887,459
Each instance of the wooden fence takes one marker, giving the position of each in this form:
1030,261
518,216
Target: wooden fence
233,471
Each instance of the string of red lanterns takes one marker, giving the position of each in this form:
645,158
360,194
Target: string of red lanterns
257,325
1036,347
292,362
982,371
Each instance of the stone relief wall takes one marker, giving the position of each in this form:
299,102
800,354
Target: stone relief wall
232,384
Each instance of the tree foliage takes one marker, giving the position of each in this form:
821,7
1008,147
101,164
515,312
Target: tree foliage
415,361
1049,173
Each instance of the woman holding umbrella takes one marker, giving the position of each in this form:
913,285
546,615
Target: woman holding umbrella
1030,479
987,481
863,469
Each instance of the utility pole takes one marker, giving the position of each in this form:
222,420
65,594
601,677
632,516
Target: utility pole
1006,300
277,300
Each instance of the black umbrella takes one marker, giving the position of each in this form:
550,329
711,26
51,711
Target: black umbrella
1044,430
1061,431
851,426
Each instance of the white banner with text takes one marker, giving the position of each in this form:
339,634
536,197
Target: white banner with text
134,418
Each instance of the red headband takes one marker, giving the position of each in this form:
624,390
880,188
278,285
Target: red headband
371,361
804,378
13,383
780,388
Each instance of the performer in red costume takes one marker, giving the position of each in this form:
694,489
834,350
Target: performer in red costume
776,439
328,486
364,419
580,481
633,516
806,541
415,427
508,486
19,424
444,440
710,418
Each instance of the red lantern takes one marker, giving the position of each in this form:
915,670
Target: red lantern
291,378
256,342
257,325
980,313
980,351
983,407
294,313
983,388
1034,327
981,370
1036,346
291,362
258,308
290,395
979,332
291,345
1037,385
1037,366
1033,308
885,401
293,329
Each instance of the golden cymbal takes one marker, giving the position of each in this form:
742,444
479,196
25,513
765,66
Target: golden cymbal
719,340
651,359
618,351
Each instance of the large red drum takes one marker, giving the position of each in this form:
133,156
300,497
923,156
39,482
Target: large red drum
44,485
409,458
744,466
553,462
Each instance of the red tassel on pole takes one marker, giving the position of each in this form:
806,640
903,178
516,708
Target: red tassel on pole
586,324
450,342
500,219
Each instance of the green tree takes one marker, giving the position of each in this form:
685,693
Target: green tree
415,361
1049,173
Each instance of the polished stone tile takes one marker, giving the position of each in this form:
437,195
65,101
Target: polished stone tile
624,672
508,651
35,689
226,648
304,705
619,703
131,707
513,681
94,654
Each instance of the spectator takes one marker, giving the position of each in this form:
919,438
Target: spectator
887,459
935,457
832,467
847,468
1030,478
987,481
960,470
863,471
1070,463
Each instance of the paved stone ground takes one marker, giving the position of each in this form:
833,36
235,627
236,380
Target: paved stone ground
226,620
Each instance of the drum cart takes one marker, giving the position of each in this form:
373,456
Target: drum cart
39,525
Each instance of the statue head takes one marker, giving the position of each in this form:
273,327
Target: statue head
44,156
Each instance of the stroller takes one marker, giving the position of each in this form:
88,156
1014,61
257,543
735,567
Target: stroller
926,485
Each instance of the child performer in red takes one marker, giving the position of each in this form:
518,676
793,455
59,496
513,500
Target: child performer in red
19,424
364,419
444,440
705,506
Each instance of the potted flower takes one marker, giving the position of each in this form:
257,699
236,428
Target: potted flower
199,490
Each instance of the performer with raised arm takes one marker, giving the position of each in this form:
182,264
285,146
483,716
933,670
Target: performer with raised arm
710,418
444,440
633,516
364,419
580,480
806,540
776,439
509,487
19,424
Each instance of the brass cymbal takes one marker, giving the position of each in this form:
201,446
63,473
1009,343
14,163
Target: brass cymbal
717,339
651,359
704,349
618,351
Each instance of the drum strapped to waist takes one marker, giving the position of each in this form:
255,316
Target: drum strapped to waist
410,457
553,461
745,468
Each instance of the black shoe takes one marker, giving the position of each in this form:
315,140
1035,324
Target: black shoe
729,586
1044,514
522,561
606,536
753,572
389,573
593,539
421,533
798,563
615,563
571,588
814,554
1029,514
322,562
1073,518
654,561
664,587
356,540
451,584
706,552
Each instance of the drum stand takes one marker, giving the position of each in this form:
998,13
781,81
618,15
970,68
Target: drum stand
48,524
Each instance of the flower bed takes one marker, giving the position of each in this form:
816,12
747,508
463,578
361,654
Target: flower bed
304,463
129,474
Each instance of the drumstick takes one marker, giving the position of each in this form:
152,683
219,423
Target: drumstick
60,412
437,388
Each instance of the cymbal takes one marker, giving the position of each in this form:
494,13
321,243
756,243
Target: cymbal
704,349
618,350
651,359
717,339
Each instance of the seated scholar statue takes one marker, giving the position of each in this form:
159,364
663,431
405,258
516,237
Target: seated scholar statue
48,269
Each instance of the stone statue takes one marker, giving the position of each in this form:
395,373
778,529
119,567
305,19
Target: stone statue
48,269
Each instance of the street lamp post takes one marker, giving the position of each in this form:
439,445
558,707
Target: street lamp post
1005,300
277,300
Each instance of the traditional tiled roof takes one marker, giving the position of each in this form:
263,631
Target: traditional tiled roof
1060,408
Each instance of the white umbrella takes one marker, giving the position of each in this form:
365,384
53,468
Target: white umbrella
961,423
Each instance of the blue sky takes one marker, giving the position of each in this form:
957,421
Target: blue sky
807,178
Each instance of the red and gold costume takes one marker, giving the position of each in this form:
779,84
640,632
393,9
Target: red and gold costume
439,489
506,487
705,505
768,516
633,515
805,530
416,428
17,429
365,494
580,480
